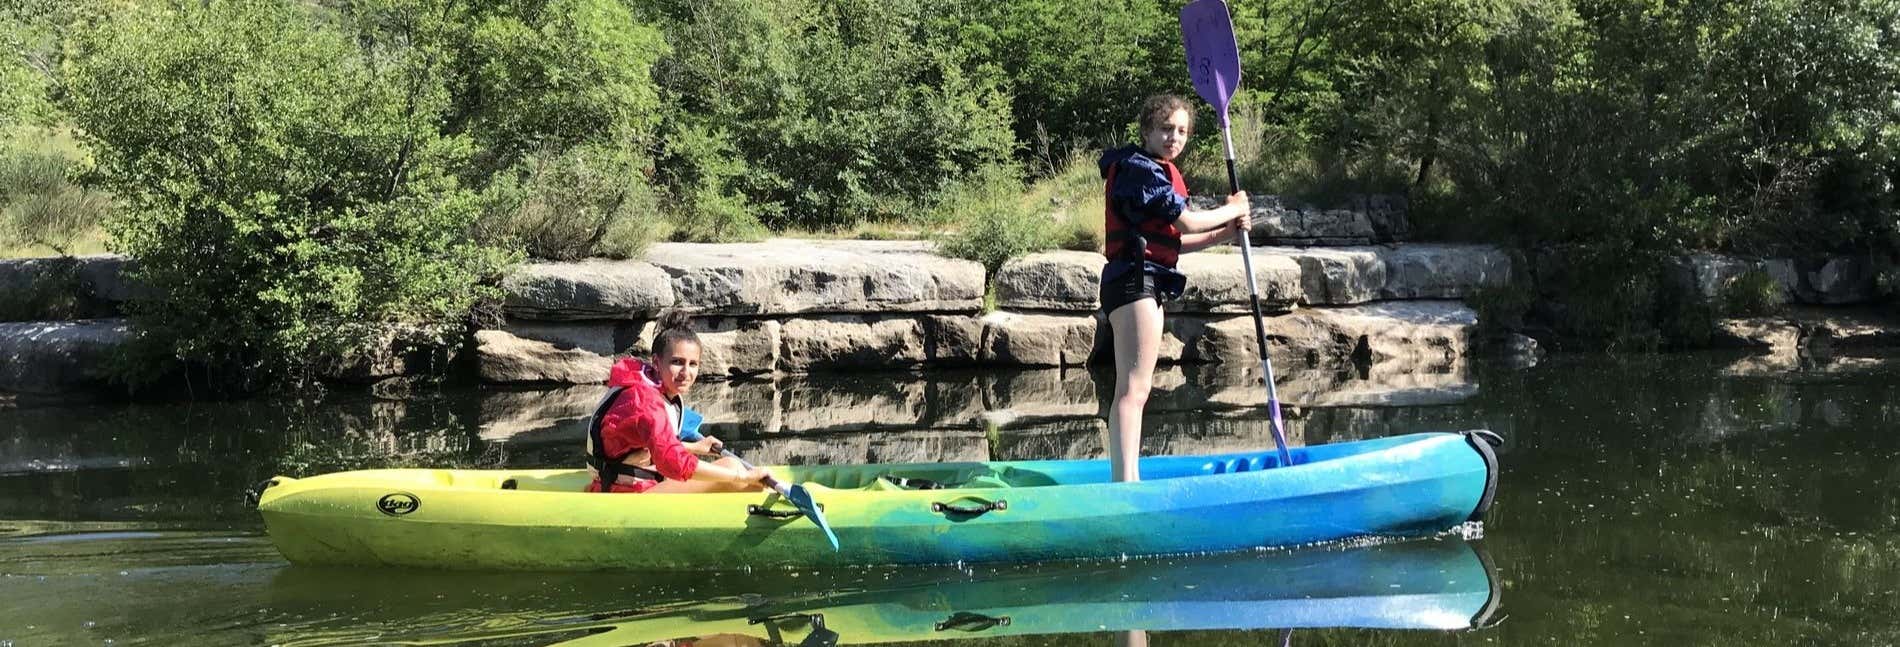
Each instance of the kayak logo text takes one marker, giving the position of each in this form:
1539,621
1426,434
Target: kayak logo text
398,504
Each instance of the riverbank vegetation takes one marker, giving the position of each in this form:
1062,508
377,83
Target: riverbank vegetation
293,168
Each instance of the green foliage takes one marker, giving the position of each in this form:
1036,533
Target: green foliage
288,190
993,223
1503,307
586,201
1608,296
704,173
294,135
51,290
1076,71
40,205
25,59
844,112
555,99
1073,190
1755,293
519,76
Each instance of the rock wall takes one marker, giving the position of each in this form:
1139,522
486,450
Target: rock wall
810,306
1831,281
792,306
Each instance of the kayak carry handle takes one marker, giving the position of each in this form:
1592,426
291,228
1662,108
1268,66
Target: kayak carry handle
970,510
757,510
256,492
967,622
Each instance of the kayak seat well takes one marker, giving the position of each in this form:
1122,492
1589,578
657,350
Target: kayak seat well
1252,463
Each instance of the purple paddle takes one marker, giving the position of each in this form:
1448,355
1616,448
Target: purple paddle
1213,61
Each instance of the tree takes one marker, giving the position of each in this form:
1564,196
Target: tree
289,192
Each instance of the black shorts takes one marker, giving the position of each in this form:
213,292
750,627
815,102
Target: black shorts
1133,285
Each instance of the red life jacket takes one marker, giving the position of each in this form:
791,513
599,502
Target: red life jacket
1163,239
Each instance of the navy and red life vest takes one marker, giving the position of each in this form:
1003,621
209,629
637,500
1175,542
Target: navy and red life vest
1143,197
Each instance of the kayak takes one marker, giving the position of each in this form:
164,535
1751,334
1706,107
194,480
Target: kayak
889,513
1443,584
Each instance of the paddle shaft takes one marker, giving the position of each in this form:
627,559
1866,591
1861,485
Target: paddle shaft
797,495
775,484
1253,297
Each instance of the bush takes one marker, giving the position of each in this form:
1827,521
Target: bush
1075,71
842,112
1072,189
522,77
704,174
24,45
992,225
47,290
588,201
1755,293
40,205
1503,308
287,191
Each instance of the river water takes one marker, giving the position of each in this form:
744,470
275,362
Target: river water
1666,500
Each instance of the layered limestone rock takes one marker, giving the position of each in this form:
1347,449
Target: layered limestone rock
1019,339
591,289
54,287
1359,220
505,358
1285,276
59,357
1439,271
818,276
1061,280
1836,280
851,342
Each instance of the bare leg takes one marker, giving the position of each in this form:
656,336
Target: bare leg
674,486
1131,639
1137,329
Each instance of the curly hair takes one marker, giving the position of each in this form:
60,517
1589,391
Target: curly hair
1159,107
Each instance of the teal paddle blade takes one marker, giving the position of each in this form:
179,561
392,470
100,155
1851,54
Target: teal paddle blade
801,497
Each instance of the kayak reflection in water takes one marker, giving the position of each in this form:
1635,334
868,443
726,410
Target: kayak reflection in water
716,640
635,436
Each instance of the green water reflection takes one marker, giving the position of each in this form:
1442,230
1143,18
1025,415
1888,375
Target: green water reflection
1676,500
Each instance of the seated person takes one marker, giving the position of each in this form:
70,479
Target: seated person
634,438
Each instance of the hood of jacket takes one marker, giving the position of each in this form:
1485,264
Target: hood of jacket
631,371
1115,156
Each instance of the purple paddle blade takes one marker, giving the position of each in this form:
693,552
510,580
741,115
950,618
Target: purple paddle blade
1212,56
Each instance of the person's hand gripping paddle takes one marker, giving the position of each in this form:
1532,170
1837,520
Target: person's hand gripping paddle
795,493
1214,65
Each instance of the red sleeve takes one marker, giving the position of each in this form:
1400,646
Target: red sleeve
670,457
639,421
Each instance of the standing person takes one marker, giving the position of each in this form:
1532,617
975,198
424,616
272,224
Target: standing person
634,437
1148,226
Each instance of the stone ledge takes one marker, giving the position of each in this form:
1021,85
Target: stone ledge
89,286
1068,280
790,276
1833,281
1361,220
59,357
1428,335
776,277
591,289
